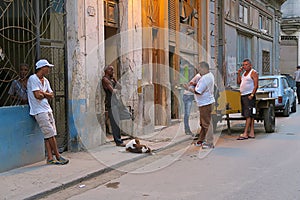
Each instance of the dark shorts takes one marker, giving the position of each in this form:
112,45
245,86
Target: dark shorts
247,105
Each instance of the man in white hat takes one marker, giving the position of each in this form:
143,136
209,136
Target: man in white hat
39,92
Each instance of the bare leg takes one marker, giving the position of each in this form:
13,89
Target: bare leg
53,144
251,134
48,149
248,124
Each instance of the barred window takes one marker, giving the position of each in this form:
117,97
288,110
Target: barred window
266,63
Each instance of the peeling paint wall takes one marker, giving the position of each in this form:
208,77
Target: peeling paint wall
85,50
131,58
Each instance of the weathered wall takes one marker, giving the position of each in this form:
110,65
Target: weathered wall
288,57
263,45
230,55
85,49
130,49
260,40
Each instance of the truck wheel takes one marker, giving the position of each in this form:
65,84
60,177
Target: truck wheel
269,119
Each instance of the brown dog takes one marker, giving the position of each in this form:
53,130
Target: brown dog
134,146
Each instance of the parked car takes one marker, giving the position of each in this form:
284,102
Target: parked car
279,88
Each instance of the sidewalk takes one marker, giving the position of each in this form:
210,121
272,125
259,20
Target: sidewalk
36,180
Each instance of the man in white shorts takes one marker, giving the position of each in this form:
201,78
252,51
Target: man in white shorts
39,92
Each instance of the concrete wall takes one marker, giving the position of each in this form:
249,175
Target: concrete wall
263,45
21,141
288,58
85,50
230,55
130,50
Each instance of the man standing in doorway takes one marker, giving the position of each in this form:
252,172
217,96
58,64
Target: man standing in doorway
39,92
111,87
297,79
248,87
204,94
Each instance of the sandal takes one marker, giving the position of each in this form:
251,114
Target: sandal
242,138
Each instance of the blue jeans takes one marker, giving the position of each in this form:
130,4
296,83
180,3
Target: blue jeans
187,100
114,118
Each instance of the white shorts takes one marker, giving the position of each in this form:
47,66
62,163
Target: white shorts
46,123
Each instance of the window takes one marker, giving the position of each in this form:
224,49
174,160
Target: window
260,23
244,47
244,13
188,11
268,83
265,24
269,25
111,13
266,63
285,84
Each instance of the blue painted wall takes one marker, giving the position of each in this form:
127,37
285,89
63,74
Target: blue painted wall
76,121
21,141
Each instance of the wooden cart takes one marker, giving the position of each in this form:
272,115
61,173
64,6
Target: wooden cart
229,102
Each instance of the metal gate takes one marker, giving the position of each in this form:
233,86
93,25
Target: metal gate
29,30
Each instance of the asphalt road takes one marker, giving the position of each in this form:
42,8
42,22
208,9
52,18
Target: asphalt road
264,168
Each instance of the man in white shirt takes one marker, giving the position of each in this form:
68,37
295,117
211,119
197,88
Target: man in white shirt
297,79
39,92
248,86
204,94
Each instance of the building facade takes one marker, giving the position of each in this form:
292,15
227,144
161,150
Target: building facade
154,46
290,37
251,30
151,44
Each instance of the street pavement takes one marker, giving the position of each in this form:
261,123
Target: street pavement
37,180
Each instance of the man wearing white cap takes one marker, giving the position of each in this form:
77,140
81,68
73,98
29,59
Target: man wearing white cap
39,92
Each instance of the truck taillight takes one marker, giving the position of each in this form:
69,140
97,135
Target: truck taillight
279,99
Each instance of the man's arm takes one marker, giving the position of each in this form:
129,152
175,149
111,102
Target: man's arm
195,80
239,78
107,85
118,85
48,95
254,76
38,94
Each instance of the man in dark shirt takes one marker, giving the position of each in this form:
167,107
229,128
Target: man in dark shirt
111,87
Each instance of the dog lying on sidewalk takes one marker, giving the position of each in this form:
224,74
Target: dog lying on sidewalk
134,146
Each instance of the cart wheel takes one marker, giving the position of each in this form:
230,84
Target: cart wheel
269,119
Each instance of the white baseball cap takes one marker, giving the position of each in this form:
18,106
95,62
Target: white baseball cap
42,63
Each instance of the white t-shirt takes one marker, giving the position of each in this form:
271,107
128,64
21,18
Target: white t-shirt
297,76
36,105
205,88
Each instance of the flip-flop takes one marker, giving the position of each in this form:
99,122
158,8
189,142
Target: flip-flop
242,138
250,137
